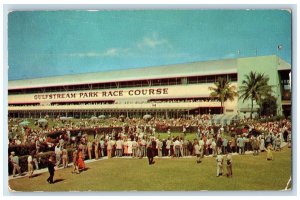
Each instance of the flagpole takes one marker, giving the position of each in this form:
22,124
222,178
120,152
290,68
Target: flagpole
279,47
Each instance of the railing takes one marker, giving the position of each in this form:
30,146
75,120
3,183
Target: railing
116,106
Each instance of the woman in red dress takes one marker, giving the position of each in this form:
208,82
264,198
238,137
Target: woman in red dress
80,161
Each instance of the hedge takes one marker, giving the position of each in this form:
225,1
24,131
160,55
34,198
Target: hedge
42,158
24,165
271,119
22,150
88,131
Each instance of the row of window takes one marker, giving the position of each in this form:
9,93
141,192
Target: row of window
174,100
127,84
82,103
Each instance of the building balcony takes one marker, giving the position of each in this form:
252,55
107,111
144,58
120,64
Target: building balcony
119,106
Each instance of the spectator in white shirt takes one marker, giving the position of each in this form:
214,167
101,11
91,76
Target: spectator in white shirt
30,166
58,152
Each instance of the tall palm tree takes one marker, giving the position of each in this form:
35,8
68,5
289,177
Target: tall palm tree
255,87
223,91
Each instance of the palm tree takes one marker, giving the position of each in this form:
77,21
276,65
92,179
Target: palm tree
223,91
255,87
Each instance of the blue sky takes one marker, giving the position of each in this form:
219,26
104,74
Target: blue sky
51,43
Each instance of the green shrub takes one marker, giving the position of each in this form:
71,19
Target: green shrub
22,150
42,158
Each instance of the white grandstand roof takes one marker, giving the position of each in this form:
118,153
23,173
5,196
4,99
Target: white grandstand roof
169,71
282,65
178,70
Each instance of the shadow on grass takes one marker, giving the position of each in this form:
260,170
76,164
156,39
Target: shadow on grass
85,169
58,180
35,175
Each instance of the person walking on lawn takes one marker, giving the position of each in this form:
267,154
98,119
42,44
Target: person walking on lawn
51,169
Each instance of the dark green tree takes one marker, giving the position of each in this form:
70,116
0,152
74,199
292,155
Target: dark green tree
255,87
223,91
268,106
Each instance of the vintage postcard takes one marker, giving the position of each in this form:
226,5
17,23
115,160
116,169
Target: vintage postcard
149,100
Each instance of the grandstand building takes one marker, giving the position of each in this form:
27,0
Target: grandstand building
163,91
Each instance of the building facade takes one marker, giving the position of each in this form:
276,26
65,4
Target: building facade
163,91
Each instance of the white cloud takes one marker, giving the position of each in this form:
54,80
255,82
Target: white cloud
146,43
111,52
89,54
230,55
85,54
107,53
153,41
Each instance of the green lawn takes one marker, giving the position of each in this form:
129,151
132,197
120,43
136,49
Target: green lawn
183,174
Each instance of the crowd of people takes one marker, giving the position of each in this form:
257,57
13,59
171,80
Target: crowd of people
135,144
24,135
138,138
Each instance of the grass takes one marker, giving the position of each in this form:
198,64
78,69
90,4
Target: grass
178,174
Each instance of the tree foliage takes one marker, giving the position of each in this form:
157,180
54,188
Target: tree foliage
255,87
268,106
223,90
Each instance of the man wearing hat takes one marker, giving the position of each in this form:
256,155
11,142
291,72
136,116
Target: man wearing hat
159,148
219,160
150,153
228,157
51,169
30,165
197,150
15,161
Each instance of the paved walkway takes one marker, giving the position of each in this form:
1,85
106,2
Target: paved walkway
24,174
